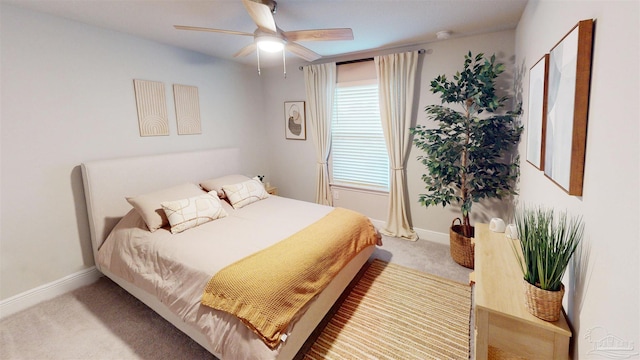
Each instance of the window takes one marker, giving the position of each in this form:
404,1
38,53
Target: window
358,152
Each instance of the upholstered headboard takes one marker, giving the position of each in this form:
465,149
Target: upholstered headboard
108,182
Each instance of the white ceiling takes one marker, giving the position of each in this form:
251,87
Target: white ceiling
376,24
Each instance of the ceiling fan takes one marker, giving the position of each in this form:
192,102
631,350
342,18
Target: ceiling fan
269,37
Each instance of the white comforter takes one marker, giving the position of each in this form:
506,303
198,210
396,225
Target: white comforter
176,267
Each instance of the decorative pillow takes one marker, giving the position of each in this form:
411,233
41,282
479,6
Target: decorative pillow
217,183
188,213
149,205
245,193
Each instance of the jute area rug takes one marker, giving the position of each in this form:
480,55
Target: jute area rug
398,313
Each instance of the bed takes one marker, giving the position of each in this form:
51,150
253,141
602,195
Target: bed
136,258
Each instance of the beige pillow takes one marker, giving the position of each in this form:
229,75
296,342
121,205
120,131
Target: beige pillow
149,208
217,183
245,193
188,213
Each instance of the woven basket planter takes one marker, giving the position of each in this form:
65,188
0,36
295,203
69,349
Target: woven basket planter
543,304
461,247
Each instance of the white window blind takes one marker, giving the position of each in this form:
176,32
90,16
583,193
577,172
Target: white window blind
358,152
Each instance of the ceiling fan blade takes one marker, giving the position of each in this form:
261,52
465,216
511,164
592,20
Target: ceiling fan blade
319,35
246,50
302,51
261,15
195,28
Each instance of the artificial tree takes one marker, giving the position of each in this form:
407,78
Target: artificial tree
470,154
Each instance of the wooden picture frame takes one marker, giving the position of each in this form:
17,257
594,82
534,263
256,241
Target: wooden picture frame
568,107
537,115
295,126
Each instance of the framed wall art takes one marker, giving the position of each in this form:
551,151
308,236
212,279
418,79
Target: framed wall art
568,107
151,103
187,109
294,120
537,118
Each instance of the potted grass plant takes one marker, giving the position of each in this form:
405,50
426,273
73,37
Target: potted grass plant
469,154
548,241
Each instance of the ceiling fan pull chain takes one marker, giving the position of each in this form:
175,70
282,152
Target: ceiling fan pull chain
284,63
258,53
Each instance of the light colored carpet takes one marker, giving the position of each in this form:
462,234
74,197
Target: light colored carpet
102,321
398,313
99,321
422,255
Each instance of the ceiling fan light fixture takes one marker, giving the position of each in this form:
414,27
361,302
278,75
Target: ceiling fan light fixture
270,44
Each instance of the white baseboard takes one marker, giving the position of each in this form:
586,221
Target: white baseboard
428,235
433,236
48,291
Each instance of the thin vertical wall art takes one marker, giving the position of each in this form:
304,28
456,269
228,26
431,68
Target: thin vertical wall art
567,108
294,120
187,109
537,112
152,108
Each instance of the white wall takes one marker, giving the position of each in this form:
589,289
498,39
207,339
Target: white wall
67,97
603,297
292,164
294,170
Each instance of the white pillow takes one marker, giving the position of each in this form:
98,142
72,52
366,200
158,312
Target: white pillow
188,213
245,193
217,183
149,208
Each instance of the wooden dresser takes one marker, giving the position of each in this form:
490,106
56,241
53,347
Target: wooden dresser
501,318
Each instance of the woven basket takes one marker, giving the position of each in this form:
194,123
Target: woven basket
543,304
461,247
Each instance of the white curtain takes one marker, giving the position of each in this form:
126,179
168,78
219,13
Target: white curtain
396,80
320,84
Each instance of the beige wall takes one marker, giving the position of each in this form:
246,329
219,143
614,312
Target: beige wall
603,296
67,97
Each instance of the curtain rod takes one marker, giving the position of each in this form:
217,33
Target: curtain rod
421,51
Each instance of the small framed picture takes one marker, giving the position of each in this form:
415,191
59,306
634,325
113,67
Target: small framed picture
295,126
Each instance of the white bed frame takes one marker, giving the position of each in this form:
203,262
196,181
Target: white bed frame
108,182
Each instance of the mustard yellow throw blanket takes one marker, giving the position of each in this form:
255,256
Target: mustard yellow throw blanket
266,290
